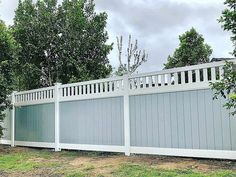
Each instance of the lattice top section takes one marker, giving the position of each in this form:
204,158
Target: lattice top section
177,79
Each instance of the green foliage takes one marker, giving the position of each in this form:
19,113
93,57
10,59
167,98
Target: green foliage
24,162
60,43
8,48
141,171
192,50
228,20
226,87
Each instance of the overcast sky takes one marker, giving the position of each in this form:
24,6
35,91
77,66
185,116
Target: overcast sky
156,24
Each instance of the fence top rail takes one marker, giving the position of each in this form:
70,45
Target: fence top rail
34,90
182,69
93,82
120,78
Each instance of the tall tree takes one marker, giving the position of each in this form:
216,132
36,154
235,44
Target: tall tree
228,20
60,43
8,48
135,57
192,50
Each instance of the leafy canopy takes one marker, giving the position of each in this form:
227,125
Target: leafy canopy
8,48
192,50
60,43
227,86
228,20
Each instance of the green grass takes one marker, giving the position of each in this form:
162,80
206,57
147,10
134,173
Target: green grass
25,161
16,162
31,161
132,170
76,174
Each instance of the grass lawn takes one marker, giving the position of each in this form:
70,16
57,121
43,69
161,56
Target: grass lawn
42,162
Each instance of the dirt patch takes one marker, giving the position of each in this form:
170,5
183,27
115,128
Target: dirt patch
8,149
105,165
99,165
172,163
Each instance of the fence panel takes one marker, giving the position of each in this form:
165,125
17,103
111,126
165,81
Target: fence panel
35,123
94,122
189,119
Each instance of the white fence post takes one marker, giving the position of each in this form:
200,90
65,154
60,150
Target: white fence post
126,115
57,112
13,119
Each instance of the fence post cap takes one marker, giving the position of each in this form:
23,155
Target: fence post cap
14,92
57,83
126,75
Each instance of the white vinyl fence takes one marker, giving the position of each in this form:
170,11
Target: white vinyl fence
169,112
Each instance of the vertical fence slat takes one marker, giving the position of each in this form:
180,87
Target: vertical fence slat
197,72
182,77
76,90
72,91
190,76
156,80
150,81
176,79
84,90
169,79
132,83
144,79
92,89
162,80
80,90
101,87
205,75
138,82
221,72
110,86
88,89
213,74
115,86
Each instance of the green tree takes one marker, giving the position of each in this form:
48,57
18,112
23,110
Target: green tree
60,43
8,48
192,50
228,20
226,87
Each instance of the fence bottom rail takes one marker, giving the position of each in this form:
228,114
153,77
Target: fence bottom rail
180,152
